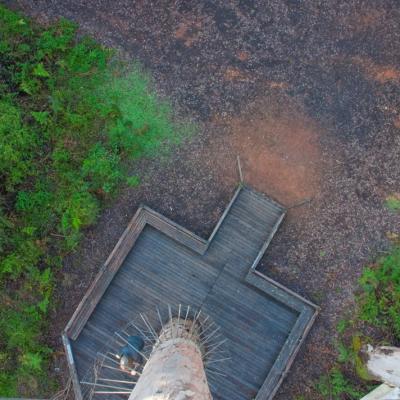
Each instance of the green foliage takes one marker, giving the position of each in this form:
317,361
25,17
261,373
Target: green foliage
380,297
24,357
350,355
378,307
342,325
393,202
102,168
72,118
132,181
335,386
344,353
17,145
357,341
39,70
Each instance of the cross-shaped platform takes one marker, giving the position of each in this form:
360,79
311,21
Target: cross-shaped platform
158,262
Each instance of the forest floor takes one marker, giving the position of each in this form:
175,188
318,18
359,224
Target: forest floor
306,93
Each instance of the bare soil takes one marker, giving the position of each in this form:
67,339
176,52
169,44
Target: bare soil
280,150
307,93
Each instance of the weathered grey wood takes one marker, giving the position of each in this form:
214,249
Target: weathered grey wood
72,369
157,262
173,230
225,213
105,275
286,356
275,289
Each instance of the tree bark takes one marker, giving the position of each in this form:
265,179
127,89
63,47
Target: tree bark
383,392
175,369
383,364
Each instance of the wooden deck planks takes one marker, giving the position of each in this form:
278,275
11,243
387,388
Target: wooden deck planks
163,263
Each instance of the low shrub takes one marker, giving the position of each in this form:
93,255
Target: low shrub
72,118
378,310
380,297
336,386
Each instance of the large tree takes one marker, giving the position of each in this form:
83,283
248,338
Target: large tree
175,367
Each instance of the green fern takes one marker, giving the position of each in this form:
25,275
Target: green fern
72,120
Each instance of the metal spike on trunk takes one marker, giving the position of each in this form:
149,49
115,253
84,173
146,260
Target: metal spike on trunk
175,345
175,369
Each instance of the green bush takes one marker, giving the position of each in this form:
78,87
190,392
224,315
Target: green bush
336,387
16,144
378,306
393,202
72,118
378,309
380,297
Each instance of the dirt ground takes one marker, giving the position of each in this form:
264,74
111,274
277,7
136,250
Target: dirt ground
307,93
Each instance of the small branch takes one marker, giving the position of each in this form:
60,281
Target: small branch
301,203
240,169
57,235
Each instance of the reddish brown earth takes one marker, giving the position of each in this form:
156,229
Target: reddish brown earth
307,93
280,151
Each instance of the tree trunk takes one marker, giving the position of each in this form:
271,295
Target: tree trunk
175,369
383,392
383,364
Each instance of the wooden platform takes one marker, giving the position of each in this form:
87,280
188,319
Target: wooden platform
158,262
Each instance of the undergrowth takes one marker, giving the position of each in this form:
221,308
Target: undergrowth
376,321
380,298
336,386
393,202
72,117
